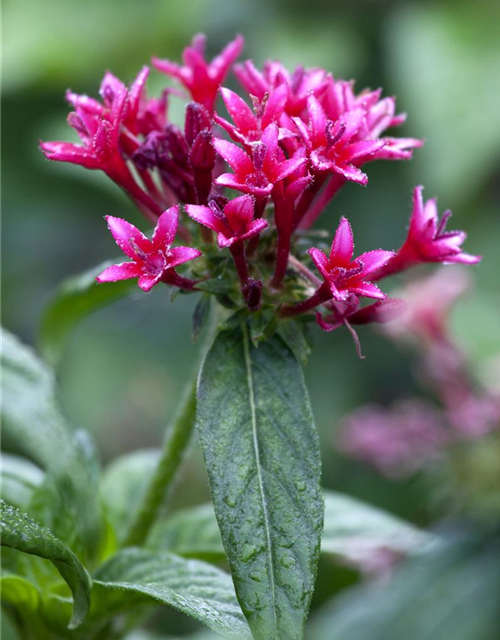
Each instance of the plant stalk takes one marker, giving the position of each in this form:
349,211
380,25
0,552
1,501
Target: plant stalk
170,460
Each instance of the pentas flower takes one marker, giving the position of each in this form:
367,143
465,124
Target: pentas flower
249,125
339,98
144,115
152,261
342,276
101,128
259,173
428,240
98,127
299,85
235,223
334,146
200,78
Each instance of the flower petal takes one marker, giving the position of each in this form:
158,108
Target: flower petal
123,232
373,260
239,212
320,261
240,112
166,228
317,121
179,255
205,216
367,289
342,245
237,159
122,271
350,172
147,282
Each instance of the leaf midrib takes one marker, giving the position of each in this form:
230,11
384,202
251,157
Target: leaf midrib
255,441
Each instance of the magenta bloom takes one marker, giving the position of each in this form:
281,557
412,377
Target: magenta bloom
200,78
258,174
233,224
428,240
99,129
249,125
334,146
153,260
341,274
299,85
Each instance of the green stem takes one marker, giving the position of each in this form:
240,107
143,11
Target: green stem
171,457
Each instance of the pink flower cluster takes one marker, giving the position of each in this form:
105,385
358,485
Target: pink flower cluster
405,437
293,143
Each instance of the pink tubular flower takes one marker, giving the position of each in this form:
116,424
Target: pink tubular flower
341,274
428,240
107,131
249,125
299,85
235,223
344,281
154,260
334,146
200,78
258,174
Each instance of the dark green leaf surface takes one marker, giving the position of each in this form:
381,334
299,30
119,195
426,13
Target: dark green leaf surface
262,456
32,423
449,593
76,298
21,533
137,577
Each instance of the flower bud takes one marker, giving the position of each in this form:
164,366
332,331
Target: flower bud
197,119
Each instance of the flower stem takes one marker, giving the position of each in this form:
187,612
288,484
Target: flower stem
171,457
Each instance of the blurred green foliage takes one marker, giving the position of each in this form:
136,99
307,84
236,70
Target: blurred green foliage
127,364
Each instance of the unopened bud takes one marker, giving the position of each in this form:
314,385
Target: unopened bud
202,155
252,292
197,119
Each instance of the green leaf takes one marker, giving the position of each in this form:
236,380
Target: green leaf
76,298
21,533
191,532
124,482
292,333
138,577
33,424
451,592
20,478
262,457
356,532
200,315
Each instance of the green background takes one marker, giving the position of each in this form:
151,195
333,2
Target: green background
126,365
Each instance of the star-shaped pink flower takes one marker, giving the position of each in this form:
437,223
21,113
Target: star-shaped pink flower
235,223
344,276
201,78
259,173
334,146
249,125
152,260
